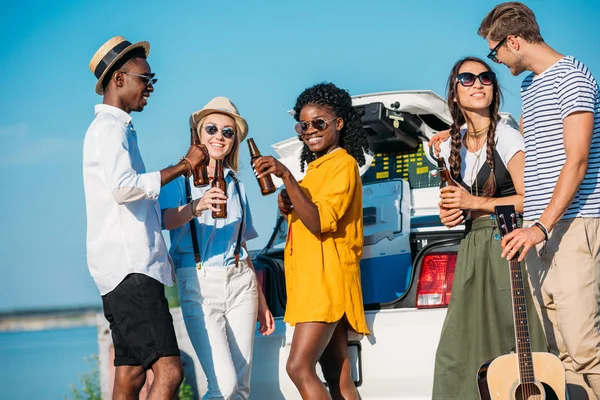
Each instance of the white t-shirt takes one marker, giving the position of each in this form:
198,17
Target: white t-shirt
508,142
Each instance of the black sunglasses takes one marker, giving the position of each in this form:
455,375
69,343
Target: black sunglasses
212,129
320,124
147,79
467,79
493,55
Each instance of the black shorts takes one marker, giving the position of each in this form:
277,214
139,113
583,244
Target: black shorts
140,321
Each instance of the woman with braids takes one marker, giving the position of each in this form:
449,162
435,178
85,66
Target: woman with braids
486,157
325,241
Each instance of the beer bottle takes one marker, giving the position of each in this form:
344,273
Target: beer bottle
447,180
219,182
200,171
265,183
445,177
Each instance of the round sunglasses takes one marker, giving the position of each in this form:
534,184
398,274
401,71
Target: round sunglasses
467,79
212,129
149,80
320,124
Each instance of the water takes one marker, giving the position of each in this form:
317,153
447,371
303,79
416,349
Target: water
42,364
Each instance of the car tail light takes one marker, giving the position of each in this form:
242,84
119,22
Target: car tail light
435,281
260,277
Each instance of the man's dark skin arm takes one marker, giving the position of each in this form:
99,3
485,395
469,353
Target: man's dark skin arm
197,154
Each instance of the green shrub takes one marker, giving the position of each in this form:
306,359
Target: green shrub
90,382
185,391
172,295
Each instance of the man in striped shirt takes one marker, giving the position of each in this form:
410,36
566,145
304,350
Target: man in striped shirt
561,124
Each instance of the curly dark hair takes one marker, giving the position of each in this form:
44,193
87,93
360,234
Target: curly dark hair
353,137
458,120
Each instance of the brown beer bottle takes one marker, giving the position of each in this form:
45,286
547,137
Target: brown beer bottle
447,180
200,171
445,177
219,182
265,183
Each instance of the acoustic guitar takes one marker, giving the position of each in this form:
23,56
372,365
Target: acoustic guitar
523,375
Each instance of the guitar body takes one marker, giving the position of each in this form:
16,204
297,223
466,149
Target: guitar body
499,379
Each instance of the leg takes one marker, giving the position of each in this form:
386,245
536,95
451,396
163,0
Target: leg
168,375
130,376
565,282
335,363
202,304
129,380
309,341
143,334
241,324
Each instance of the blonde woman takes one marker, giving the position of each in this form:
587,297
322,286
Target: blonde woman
219,295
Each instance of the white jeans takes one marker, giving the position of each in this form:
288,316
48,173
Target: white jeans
219,306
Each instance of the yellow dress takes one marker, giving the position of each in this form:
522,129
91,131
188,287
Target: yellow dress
322,271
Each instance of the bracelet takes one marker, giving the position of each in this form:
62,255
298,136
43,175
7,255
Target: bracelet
542,227
189,165
194,204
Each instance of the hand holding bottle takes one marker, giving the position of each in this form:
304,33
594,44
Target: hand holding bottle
284,203
211,200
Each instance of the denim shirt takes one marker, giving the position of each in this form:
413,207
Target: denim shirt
217,238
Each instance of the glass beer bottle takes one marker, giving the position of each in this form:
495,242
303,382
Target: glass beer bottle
447,180
200,171
219,182
445,177
266,182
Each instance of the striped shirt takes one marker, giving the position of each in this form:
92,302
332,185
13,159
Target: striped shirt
564,88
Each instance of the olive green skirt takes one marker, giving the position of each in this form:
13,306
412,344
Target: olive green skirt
479,323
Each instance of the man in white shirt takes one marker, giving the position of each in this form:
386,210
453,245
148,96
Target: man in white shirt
126,252
561,124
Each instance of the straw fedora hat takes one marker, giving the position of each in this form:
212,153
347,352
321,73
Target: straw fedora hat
221,105
111,52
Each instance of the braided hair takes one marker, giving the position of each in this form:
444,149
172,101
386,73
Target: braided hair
353,137
458,120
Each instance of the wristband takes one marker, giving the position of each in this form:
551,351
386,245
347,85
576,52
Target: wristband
189,165
541,227
194,204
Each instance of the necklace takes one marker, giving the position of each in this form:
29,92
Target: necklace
478,132
475,167
335,149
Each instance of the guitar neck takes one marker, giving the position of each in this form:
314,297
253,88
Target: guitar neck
522,339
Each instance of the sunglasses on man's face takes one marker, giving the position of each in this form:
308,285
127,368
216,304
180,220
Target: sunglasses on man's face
467,79
493,55
320,124
212,129
147,79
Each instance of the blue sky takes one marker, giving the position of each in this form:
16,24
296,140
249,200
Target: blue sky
261,54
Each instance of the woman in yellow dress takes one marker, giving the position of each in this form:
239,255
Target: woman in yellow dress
325,241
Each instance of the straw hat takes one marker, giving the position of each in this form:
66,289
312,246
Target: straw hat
221,105
111,52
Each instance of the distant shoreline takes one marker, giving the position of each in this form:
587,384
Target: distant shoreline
48,319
